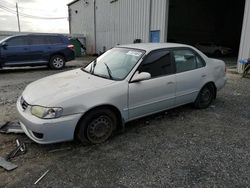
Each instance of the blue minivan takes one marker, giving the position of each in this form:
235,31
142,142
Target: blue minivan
35,50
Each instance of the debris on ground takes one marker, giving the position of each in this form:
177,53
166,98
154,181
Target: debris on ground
19,150
7,165
11,127
60,149
37,181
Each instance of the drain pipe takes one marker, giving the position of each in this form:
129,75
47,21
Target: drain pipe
150,20
95,26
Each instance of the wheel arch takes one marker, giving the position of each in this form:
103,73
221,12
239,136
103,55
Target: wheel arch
56,53
213,85
104,106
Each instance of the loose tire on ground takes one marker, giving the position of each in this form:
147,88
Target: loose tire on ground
97,126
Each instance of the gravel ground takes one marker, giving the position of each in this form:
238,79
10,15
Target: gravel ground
182,147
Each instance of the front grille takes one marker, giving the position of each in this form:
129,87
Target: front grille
24,104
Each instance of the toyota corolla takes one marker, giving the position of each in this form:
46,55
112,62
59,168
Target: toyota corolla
125,83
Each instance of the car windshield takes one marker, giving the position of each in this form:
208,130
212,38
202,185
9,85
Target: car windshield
115,64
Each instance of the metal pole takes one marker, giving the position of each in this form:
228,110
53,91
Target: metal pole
95,25
150,20
18,21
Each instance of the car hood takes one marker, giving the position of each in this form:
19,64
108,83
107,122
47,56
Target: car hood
59,87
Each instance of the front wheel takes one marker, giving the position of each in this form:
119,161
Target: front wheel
57,62
205,97
97,126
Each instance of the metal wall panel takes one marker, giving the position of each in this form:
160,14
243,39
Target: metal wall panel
158,17
118,22
244,51
82,22
121,22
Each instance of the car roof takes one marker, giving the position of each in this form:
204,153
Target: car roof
153,46
43,35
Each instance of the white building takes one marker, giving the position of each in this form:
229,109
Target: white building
106,23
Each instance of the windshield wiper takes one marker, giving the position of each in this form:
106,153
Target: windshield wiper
109,71
92,69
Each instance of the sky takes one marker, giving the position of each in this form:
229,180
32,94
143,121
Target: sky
37,8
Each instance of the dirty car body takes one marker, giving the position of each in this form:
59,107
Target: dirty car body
125,83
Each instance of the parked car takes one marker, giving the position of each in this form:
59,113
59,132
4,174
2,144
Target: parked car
125,83
213,49
36,50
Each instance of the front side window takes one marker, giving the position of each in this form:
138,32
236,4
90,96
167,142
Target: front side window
186,60
115,64
18,41
157,63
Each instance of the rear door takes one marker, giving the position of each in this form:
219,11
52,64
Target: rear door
190,75
156,94
17,51
38,49
56,44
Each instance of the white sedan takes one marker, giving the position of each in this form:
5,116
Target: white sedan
125,83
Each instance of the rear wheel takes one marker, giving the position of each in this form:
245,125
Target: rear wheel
205,97
57,62
217,53
97,126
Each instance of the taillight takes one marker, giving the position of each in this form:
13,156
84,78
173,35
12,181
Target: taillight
71,46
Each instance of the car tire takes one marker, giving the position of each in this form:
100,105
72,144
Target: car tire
57,62
97,126
205,97
217,53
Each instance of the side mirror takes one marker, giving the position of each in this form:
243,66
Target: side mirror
4,45
141,76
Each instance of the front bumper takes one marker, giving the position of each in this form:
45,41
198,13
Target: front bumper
49,130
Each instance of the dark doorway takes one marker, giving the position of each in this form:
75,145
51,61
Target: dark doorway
206,22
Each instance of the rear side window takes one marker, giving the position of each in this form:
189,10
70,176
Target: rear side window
157,63
186,60
55,40
38,40
18,41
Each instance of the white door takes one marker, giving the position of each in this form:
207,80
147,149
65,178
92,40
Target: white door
190,75
156,94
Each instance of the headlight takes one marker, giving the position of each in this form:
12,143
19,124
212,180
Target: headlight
46,113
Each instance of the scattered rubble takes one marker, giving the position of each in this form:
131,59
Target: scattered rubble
5,162
37,181
11,127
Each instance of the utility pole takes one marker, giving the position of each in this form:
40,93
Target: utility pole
18,21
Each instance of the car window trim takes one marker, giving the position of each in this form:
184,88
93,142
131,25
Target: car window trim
144,58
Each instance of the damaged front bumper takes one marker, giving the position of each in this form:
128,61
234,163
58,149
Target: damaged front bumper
47,131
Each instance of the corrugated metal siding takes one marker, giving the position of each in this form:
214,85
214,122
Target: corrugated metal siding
82,22
118,23
121,22
158,17
244,51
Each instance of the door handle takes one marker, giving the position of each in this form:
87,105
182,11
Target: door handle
204,75
169,83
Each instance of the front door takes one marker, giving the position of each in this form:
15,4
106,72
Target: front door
156,94
16,51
